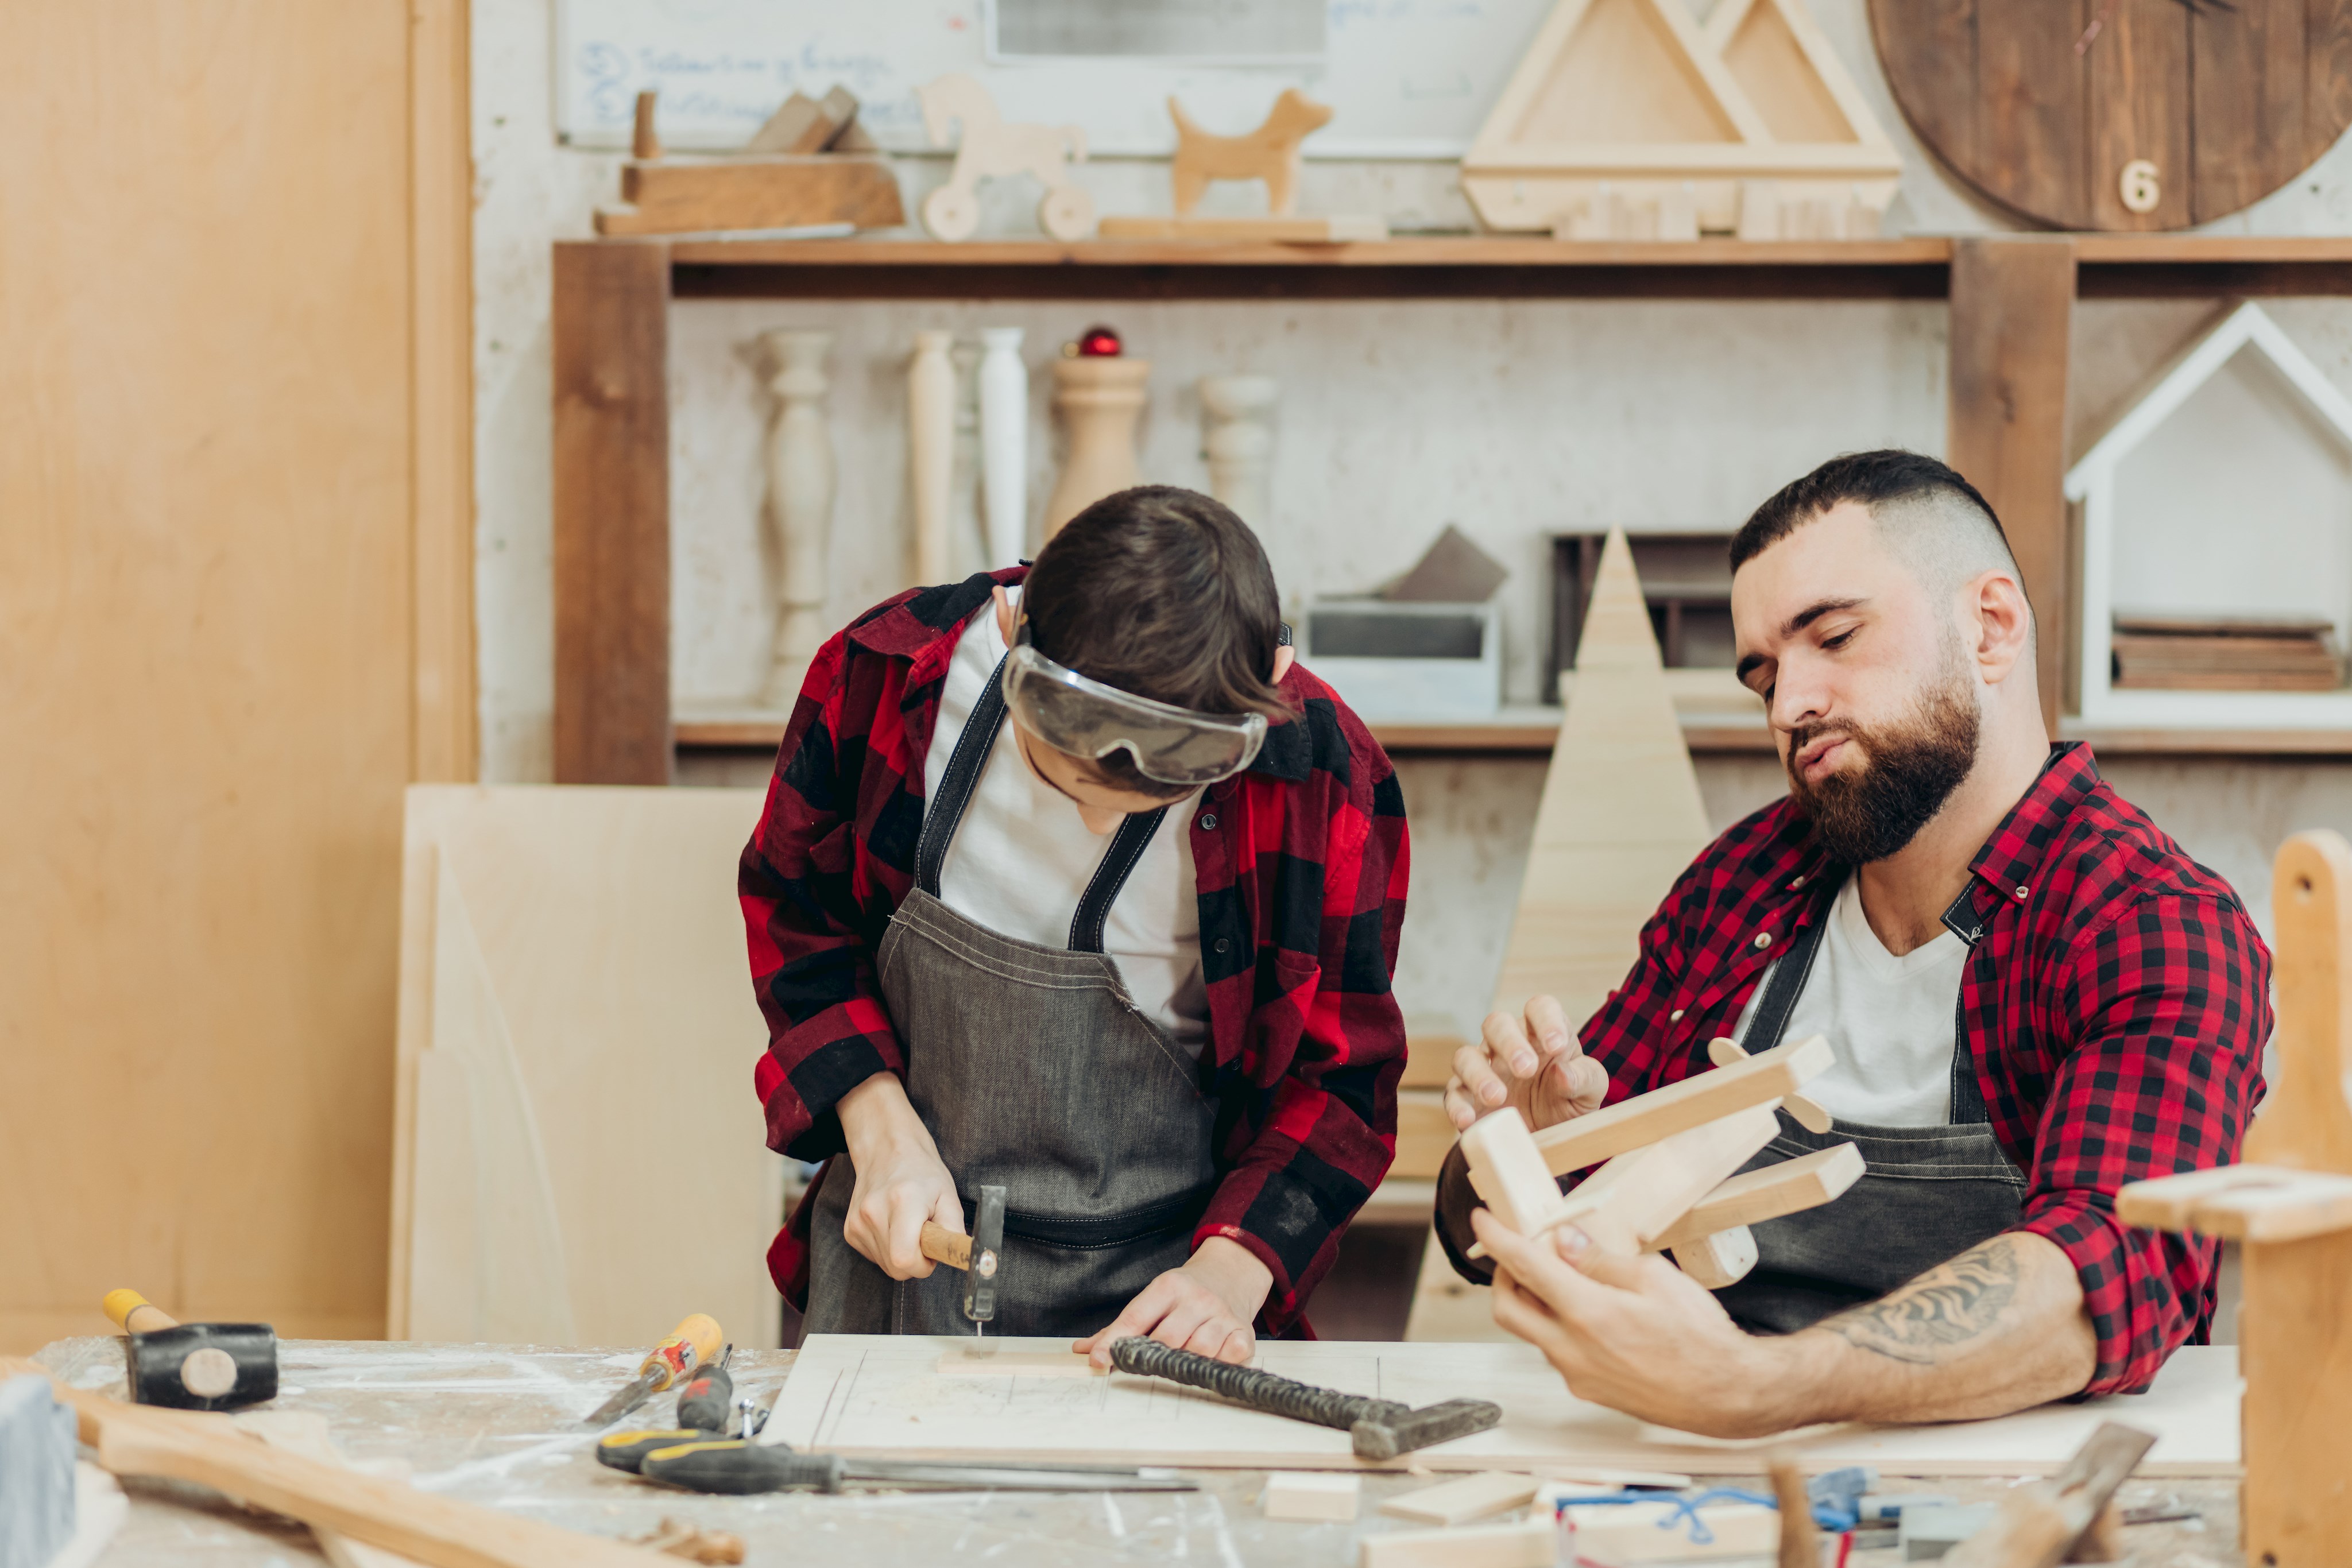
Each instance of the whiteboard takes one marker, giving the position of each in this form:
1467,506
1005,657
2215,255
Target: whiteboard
1406,78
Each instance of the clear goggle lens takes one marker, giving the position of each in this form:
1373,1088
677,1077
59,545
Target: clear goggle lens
1087,719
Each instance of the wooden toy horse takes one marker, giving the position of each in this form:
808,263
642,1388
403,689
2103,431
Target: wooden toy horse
991,149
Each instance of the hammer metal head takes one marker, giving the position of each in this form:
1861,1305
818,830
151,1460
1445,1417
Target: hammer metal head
987,1252
203,1366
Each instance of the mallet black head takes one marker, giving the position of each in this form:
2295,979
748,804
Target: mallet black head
203,1366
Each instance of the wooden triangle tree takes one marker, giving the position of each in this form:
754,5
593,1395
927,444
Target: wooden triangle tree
1627,120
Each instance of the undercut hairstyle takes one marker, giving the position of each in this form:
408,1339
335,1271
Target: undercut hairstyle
1929,515
1163,592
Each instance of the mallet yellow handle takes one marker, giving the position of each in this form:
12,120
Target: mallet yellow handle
134,1314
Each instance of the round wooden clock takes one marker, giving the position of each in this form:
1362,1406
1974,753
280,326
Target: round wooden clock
2121,114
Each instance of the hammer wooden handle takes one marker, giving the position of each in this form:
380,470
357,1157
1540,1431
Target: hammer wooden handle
941,1245
134,1314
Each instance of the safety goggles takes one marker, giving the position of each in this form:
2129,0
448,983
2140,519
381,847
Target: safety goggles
1087,719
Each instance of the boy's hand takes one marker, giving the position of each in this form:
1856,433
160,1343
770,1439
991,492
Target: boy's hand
900,1181
1535,1065
1206,1306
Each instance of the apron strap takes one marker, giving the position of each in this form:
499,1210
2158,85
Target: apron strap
1127,847
1967,1099
971,754
942,816
1787,982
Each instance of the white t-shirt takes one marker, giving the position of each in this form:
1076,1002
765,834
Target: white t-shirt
1891,1021
1022,858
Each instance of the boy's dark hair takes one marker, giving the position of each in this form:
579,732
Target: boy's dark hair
1934,511
1165,593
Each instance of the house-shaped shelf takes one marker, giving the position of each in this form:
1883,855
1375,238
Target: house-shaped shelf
1627,120
2224,490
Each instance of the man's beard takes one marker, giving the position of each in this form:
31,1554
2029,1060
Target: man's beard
1910,769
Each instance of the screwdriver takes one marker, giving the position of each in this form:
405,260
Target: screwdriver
707,1401
690,1344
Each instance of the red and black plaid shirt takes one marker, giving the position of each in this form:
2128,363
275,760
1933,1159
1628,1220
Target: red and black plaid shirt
1301,864
2116,1002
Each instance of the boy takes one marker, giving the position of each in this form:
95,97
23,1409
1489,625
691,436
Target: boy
1127,954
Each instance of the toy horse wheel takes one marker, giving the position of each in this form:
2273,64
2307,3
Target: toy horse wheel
1067,212
952,213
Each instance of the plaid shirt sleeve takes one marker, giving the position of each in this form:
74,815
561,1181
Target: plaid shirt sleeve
2172,999
807,913
1323,1047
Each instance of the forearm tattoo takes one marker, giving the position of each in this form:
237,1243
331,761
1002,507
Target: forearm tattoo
1948,1306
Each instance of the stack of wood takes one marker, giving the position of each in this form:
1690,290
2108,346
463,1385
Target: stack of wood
810,166
2226,654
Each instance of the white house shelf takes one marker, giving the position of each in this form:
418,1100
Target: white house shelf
2244,507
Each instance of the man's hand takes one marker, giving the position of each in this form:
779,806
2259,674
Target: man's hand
1535,1065
1636,1334
900,1181
1206,1306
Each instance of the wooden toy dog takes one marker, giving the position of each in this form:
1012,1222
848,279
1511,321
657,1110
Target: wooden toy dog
1269,153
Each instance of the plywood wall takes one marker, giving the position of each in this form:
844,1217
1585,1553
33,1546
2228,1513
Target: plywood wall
216,561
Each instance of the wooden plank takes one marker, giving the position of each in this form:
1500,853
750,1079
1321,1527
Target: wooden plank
1424,1135
443,743
1701,1098
1628,1203
1311,1496
189,1446
684,196
2246,99
1460,1501
1507,1170
970,1362
210,596
2027,153
611,336
1521,1543
2307,1122
1266,230
1788,1187
2243,1203
2012,304
852,1393
1429,1057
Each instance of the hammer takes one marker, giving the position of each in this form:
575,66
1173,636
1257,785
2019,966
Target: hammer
192,1366
975,1254
1378,1429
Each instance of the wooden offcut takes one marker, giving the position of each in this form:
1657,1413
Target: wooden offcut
2290,1207
1469,1498
679,195
1311,1496
1702,1097
1786,1186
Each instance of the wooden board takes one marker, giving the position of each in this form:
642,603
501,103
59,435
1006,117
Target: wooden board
234,350
572,986
1275,230
1425,1135
881,1396
611,317
2229,102
1677,1108
684,196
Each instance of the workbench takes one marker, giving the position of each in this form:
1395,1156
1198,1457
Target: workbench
499,1425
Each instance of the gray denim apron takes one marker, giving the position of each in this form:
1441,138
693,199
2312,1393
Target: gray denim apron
1034,1070
1928,1195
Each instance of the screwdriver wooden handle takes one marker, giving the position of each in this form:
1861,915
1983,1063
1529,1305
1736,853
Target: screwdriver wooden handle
691,1344
941,1245
134,1314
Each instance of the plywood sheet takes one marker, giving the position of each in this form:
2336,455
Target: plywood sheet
876,1395
581,1157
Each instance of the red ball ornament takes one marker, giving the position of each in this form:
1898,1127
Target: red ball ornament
1098,343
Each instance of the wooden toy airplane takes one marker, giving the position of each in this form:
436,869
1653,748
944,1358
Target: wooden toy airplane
1667,1158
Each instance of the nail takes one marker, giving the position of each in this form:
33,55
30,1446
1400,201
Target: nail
1524,1063
1573,1242
1491,1092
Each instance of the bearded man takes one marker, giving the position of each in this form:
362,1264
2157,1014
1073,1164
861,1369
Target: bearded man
2033,994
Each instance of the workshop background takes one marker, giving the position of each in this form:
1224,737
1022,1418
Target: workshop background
277,527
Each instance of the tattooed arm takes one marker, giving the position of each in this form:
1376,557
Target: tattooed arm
1999,1327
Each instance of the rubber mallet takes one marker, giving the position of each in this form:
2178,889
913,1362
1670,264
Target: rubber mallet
192,1366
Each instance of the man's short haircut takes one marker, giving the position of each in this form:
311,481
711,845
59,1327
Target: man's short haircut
1929,515
1163,592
